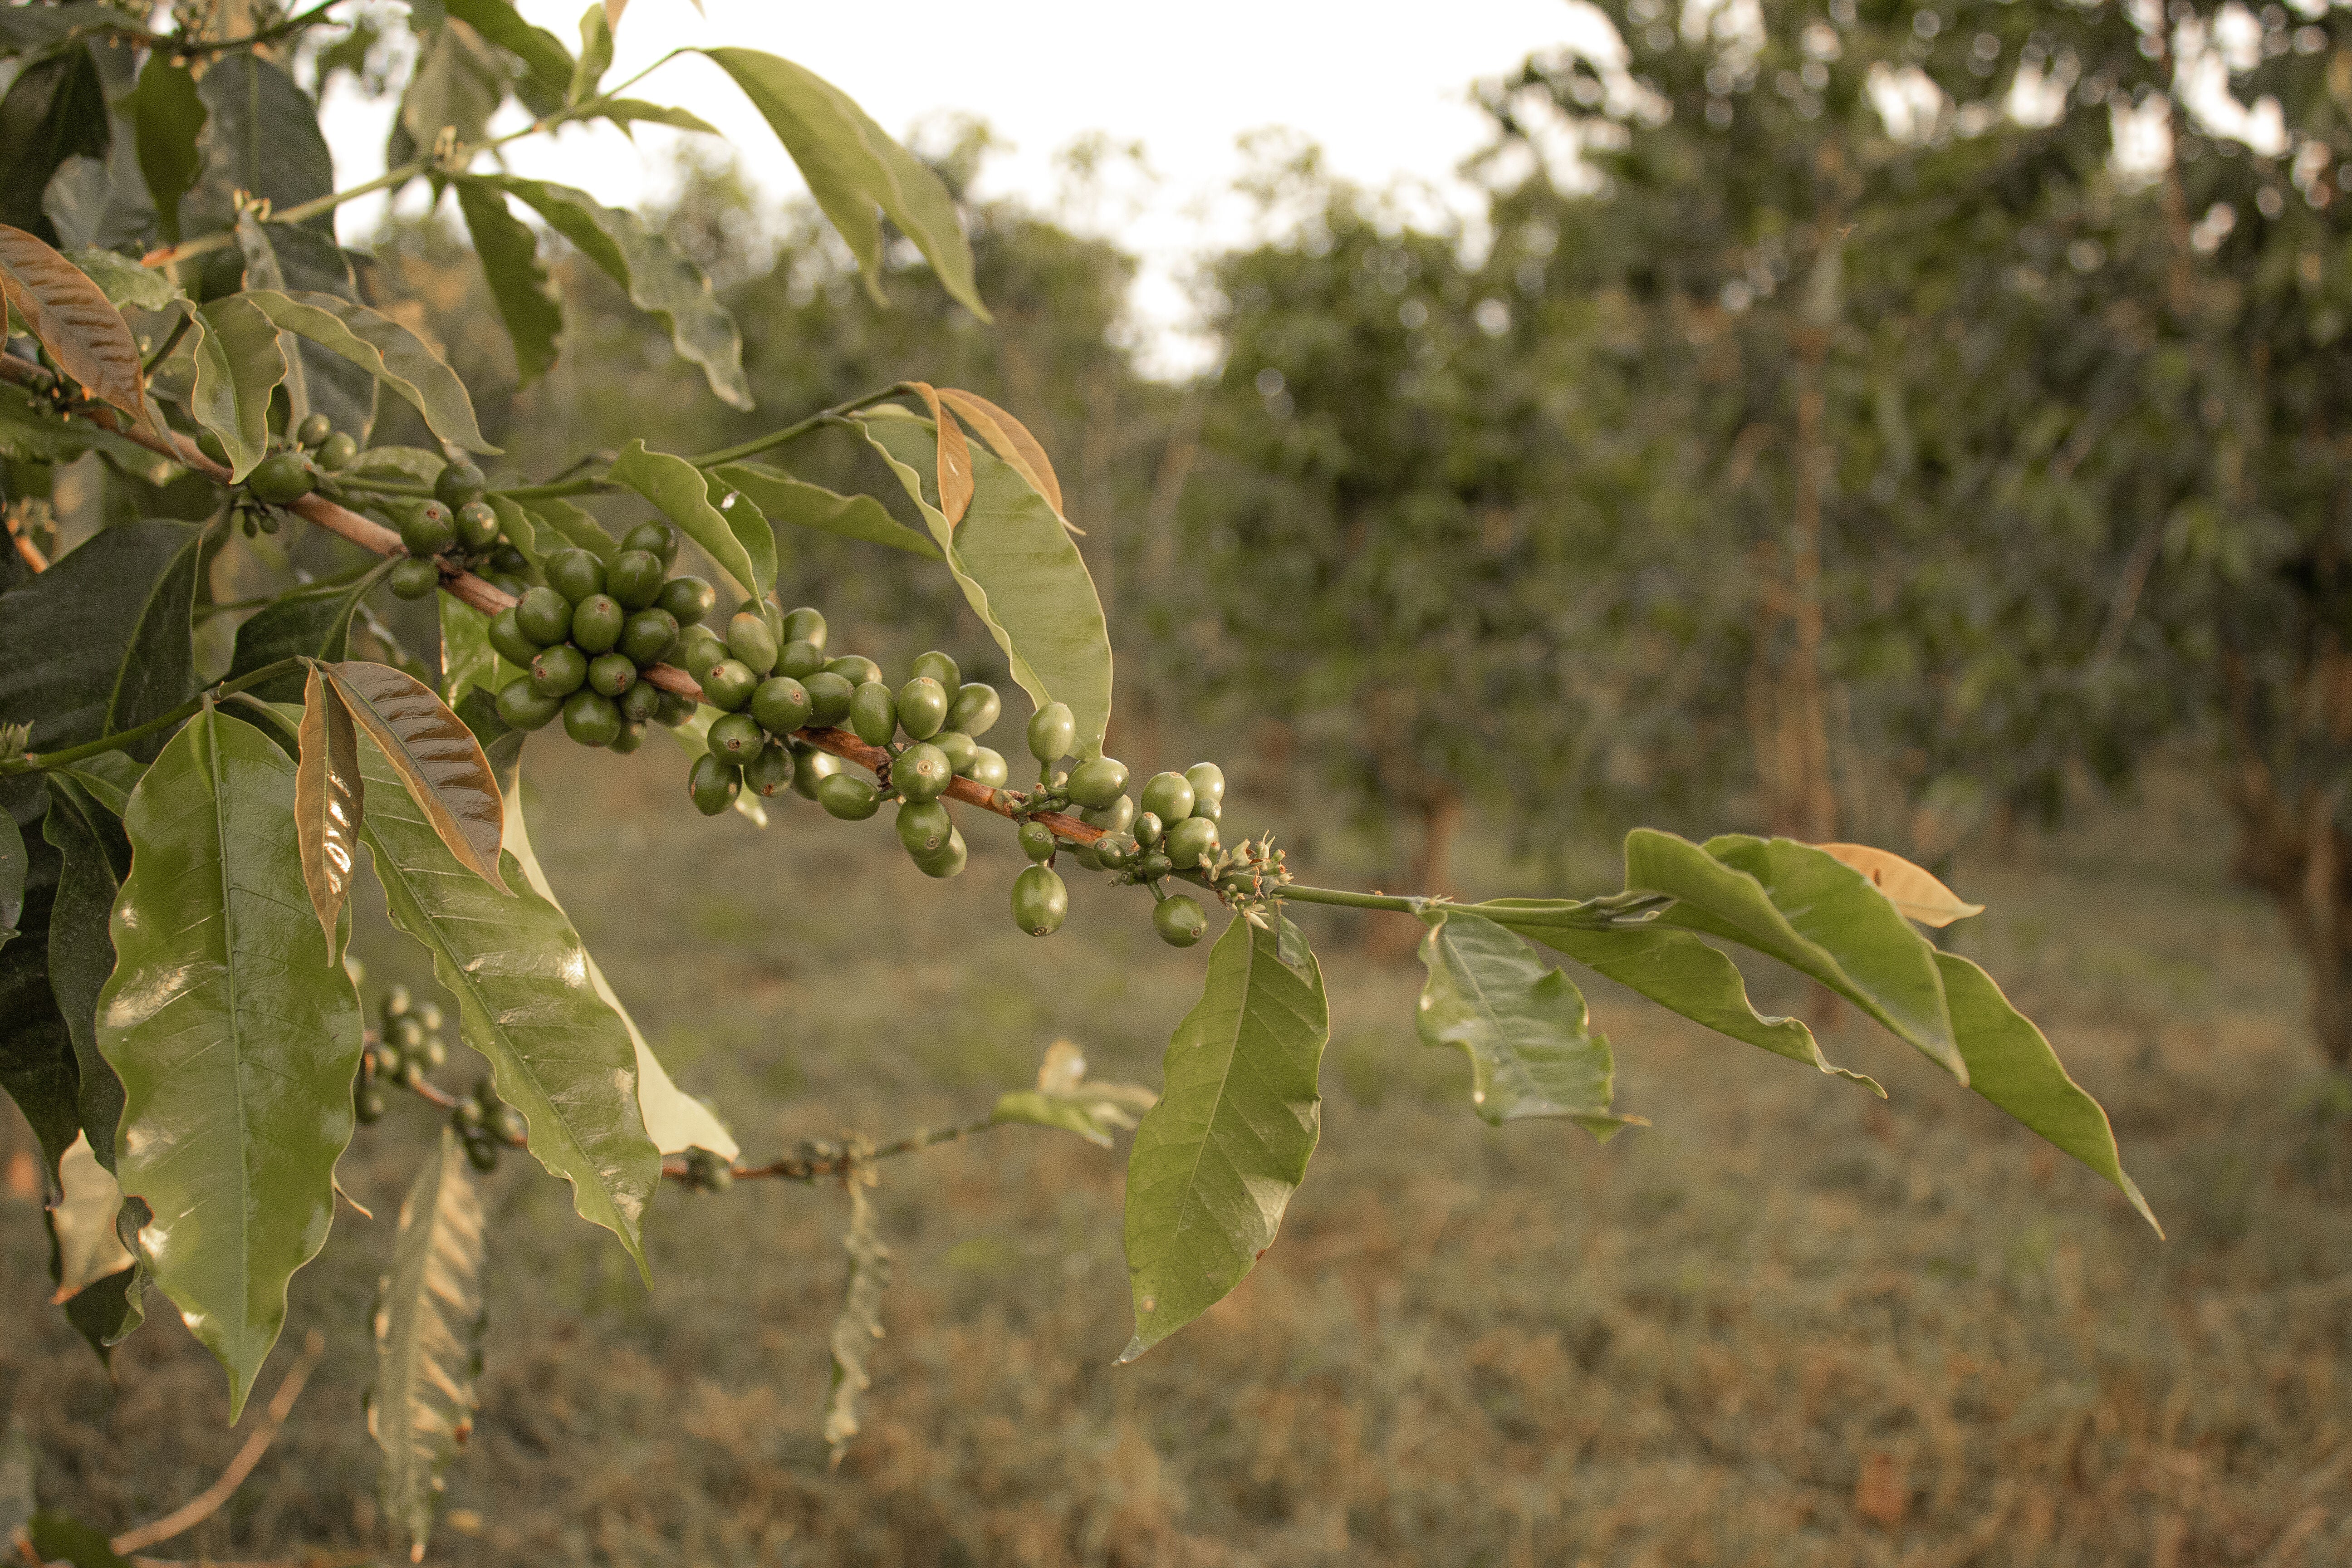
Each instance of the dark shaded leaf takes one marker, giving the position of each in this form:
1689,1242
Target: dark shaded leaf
12,876
237,1036
36,30
427,1323
784,498
99,641
95,858
509,252
58,1539
329,802
32,432
54,110
435,758
74,320
167,114
260,136
543,57
313,621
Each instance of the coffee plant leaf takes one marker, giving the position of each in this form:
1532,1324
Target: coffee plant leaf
329,799
427,1325
94,860
109,777
239,362
797,501
859,1322
1065,1099
1521,1023
312,621
455,87
237,1036
595,56
31,432
13,864
81,1224
855,172
627,111
743,547
1914,889
1821,918
2011,1064
125,282
1680,972
397,358
547,64
952,472
54,111
167,122
508,252
57,1538
435,757
660,280
261,139
74,319
38,30
1216,1160
557,1052
1009,439
99,641
1020,572
469,662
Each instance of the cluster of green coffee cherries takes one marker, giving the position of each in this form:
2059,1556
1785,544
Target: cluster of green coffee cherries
1173,829
406,1049
287,474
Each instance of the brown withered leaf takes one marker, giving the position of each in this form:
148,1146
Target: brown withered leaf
436,757
955,479
1009,439
74,319
1911,888
329,800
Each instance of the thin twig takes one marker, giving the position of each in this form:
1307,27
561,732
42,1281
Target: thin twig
201,1507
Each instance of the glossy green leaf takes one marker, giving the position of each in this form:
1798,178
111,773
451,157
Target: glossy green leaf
239,362
787,500
292,258
427,1323
469,662
1677,971
329,802
313,621
74,319
508,252
167,117
94,860
659,278
1215,1162
235,1035
2011,1064
1818,917
99,641
859,1323
855,172
1065,1100
744,547
397,357
435,757
261,138
1020,572
557,1052
1521,1023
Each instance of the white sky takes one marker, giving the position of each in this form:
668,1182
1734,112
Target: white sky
1385,86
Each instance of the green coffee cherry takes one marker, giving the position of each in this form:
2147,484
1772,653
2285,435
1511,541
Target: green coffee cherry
799,658
640,703
780,704
312,433
507,1123
335,454
511,586
404,1031
922,771
873,713
433,1051
656,538
478,525
769,771
632,735
1191,841
750,643
1167,797
959,748
1115,851
396,1001
469,1119
634,577
728,684
803,624
736,738
811,767
674,711
506,636
940,668
1179,921
947,862
1146,828
687,599
849,797
414,578
1208,810
426,528
647,637
1040,901
975,708
830,697
281,480
522,707
1208,781
922,707
596,623
1036,841
367,1104
924,828
1152,865
988,768
482,1154
544,615
457,484
701,652
1086,855
713,784
575,573
1116,818
1052,732
1099,783
428,1017
559,672
855,667
591,717
612,674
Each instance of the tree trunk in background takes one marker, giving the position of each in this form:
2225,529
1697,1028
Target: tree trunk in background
1392,936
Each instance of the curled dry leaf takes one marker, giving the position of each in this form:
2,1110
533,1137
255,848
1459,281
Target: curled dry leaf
1910,887
74,319
955,479
1010,439
436,757
328,800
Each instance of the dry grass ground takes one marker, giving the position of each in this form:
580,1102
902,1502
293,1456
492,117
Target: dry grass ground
1786,1326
